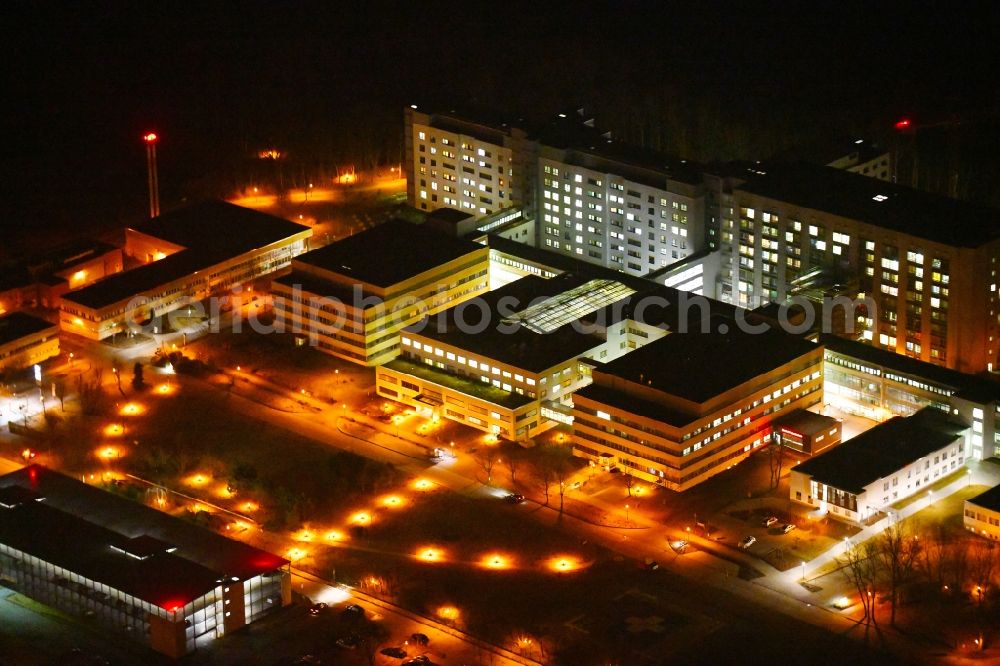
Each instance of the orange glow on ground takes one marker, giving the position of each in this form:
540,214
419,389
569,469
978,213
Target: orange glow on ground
296,554
165,389
114,430
304,535
564,564
490,439
361,518
431,555
393,501
496,562
132,409
198,480
333,535
249,507
423,484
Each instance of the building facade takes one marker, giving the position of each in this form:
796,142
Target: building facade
187,255
26,340
861,479
981,514
662,415
352,298
513,372
154,578
473,166
919,258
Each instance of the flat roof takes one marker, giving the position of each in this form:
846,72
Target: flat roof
635,405
92,532
700,366
882,450
975,387
16,325
230,228
806,423
479,327
988,500
389,253
466,385
211,233
876,202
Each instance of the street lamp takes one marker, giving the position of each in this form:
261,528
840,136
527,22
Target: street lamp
803,571
154,186
626,513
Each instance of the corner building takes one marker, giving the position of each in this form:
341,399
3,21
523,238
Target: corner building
928,263
691,405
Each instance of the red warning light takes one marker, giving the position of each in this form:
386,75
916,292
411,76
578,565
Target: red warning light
149,138
903,124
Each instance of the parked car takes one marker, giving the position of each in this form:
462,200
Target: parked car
396,652
514,498
421,639
788,527
353,610
649,565
747,541
770,520
316,609
419,660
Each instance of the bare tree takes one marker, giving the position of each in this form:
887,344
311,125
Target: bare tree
776,456
982,566
629,483
898,551
934,555
513,462
861,569
487,458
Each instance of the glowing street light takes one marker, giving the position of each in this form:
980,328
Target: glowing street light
430,555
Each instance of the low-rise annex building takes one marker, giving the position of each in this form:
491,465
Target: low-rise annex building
189,254
26,340
859,480
982,514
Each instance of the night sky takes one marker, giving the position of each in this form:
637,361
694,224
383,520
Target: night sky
327,82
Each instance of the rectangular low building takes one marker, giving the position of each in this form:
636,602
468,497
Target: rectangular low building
982,514
26,340
506,362
691,405
353,297
808,432
188,255
158,579
858,480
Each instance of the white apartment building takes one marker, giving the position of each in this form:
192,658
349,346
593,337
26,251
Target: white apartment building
600,216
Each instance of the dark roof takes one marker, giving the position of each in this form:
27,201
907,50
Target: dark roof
574,133
988,500
79,527
230,228
700,366
389,253
636,405
973,387
16,325
211,232
828,149
506,341
14,275
921,214
882,450
805,422
451,216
